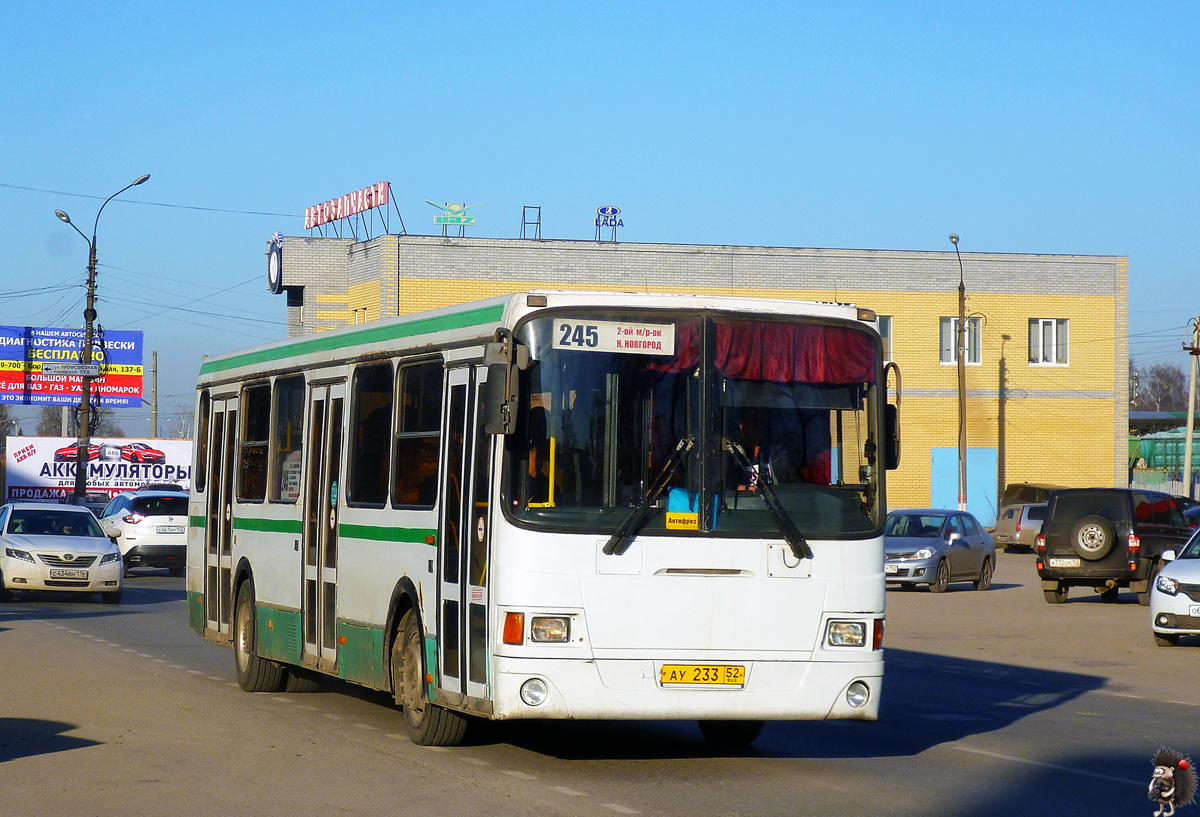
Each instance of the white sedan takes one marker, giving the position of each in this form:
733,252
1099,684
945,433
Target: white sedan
61,548
1175,595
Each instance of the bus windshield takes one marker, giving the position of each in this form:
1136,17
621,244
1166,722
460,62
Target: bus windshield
711,419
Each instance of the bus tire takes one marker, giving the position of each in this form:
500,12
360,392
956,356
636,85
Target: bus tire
254,673
428,724
301,680
730,733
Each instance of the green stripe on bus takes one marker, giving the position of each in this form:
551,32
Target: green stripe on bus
373,334
360,655
268,525
197,521
378,533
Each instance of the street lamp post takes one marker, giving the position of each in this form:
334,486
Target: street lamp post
84,440
962,380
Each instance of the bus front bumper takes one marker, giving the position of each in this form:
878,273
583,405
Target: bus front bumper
632,689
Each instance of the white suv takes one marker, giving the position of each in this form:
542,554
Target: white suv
152,528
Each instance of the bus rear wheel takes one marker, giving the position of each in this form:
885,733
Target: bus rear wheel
731,733
428,724
254,674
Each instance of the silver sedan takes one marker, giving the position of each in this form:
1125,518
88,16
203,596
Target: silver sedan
937,547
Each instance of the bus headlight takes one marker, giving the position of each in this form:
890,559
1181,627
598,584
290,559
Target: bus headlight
534,692
857,694
550,628
846,634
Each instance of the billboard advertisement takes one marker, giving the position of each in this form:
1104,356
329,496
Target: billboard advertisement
42,469
29,355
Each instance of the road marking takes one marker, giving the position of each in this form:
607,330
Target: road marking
141,654
191,671
361,725
620,809
569,791
173,666
519,775
474,761
125,649
1043,765
398,736
217,678
306,706
329,715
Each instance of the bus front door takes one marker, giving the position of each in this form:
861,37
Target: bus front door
321,499
218,527
466,533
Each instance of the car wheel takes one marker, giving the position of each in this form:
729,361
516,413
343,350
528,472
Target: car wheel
1058,595
985,576
428,724
941,579
254,674
1093,537
111,598
730,733
175,571
5,593
1166,639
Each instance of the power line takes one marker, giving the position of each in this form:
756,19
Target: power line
152,203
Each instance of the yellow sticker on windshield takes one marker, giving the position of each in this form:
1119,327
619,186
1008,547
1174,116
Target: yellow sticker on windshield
683,521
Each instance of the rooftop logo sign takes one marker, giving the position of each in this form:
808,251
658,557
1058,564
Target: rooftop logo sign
453,214
348,205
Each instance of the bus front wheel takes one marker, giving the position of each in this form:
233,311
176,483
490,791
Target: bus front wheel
428,724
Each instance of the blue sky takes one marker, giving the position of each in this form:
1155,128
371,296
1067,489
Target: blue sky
1023,127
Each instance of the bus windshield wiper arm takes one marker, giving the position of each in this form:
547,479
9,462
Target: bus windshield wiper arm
787,527
622,537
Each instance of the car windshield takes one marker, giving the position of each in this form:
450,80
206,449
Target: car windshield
34,522
700,416
914,525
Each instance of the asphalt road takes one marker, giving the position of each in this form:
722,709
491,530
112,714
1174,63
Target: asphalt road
995,703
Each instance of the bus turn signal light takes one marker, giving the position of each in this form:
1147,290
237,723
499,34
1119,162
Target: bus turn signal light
514,628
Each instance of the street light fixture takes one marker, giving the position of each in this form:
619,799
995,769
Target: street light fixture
962,380
83,441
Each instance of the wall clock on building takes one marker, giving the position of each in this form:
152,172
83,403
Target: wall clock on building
275,266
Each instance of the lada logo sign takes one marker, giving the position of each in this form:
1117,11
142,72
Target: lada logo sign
453,213
609,217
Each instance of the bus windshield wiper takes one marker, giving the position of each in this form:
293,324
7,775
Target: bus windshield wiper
783,520
622,537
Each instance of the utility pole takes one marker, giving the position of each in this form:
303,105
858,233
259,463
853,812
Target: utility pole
154,395
962,380
1193,350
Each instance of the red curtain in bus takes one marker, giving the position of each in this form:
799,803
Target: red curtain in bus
782,352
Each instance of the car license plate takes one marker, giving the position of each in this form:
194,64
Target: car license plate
1064,563
726,674
891,568
1194,611
169,529
64,573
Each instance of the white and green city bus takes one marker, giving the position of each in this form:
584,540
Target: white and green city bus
555,505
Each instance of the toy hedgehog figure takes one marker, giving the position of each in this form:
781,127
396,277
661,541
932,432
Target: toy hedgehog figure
1173,782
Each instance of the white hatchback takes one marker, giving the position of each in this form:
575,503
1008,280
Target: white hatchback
1175,595
58,548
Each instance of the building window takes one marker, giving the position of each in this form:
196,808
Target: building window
885,331
1048,341
949,340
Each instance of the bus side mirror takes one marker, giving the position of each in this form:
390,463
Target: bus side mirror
891,437
501,392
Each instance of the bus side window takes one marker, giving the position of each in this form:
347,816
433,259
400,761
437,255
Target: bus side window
370,428
288,438
418,435
256,430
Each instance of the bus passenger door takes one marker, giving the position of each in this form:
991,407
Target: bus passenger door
321,496
466,533
218,527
